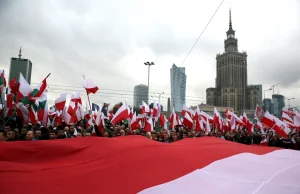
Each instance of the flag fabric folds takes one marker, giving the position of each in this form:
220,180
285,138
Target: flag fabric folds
98,161
89,86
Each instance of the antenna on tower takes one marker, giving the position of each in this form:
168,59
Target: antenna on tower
230,22
20,53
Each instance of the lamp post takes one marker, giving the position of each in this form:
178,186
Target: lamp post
289,99
149,64
265,98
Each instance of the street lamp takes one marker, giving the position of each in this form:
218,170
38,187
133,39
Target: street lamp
149,64
289,99
265,98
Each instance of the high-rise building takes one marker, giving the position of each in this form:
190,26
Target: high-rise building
140,94
259,86
19,65
267,105
252,97
178,87
278,104
231,76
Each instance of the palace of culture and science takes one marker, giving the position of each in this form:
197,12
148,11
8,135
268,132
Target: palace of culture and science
231,89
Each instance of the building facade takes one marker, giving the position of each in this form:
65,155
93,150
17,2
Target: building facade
267,105
178,87
231,77
252,97
140,93
19,65
278,104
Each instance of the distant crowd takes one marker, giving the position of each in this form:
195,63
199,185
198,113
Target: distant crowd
11,132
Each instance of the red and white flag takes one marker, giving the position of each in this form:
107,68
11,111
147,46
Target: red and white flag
145,107
173,120
89,86
185,109
148,125
268,120
60,102
188,121
232,123
259,113
133,122
287,119
258,169
121,114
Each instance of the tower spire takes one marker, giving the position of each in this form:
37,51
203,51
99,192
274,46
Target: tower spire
20,52
230,23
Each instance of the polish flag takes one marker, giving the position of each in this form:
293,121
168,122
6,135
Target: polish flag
207,127
281,127
60,102
217,119
297,119
198,123
259,113
145,107
148,125
155,110
258,169
185,109
173,120
89,86
187,121
268,119
228,114
288,111
232,123
205,116
162,120
133,122
196,115
100,121
286,118
121,114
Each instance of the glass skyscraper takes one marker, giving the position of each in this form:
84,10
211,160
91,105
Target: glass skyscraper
178,87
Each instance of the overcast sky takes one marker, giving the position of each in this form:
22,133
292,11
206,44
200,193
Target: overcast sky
109,41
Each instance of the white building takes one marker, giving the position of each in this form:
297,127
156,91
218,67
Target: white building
178,87
140,94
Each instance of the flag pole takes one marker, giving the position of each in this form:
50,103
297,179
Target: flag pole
88,96
48,75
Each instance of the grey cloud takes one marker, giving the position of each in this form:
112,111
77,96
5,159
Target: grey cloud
280,65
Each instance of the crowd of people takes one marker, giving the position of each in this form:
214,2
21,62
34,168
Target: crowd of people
13,132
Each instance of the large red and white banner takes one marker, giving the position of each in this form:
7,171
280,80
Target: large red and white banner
135,164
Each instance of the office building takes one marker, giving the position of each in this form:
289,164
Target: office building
178,87
278,104
140,94
259,86
267,105
252,97
20,65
